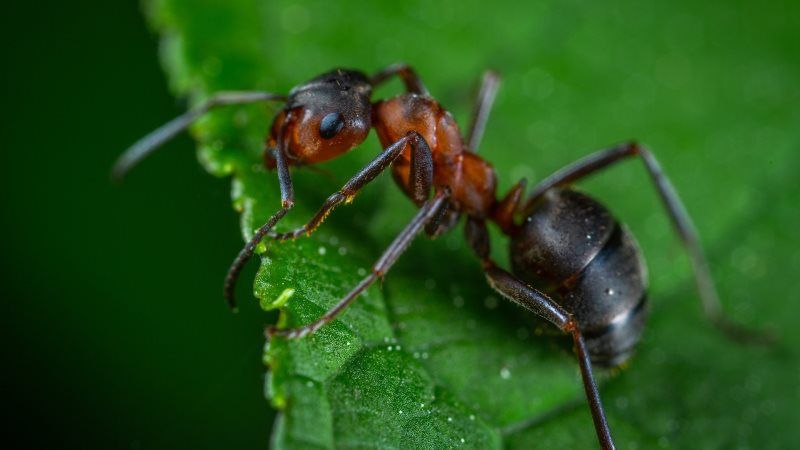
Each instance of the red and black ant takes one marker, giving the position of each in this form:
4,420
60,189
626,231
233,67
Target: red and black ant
589,275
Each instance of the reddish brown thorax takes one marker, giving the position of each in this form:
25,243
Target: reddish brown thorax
471,179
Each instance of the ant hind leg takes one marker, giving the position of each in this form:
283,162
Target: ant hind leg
680,219
542,305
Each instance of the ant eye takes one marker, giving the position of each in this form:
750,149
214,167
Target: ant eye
331,124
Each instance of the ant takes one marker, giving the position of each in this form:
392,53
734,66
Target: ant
572,262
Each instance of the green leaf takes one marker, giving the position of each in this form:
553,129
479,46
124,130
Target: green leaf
432,358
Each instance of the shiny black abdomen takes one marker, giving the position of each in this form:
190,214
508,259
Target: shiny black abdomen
572,248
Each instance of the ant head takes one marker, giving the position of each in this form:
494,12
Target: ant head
325,117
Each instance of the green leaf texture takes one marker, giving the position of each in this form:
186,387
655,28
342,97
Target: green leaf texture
432,358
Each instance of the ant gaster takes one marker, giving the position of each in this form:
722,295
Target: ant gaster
572,263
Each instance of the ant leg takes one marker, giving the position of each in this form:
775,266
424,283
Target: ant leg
542,305
445,220
414,84
287,202
146,145
284,180
379,269
421,176
508,207
677,214
483,105
538,302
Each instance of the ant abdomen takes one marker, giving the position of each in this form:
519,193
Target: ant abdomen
591,265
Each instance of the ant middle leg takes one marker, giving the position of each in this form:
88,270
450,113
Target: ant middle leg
542,305
428,211
421,175
680,219
445,220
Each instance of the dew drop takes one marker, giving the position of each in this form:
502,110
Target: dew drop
322,250
505,373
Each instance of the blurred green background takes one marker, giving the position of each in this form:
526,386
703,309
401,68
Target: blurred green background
105,349
115,335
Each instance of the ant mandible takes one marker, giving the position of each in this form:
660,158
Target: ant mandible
587,266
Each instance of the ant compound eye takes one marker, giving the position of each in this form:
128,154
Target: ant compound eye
331,124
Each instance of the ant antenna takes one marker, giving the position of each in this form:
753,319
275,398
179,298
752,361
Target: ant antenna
148,144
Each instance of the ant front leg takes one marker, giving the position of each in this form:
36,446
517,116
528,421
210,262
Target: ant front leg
412,81
287,203
542,305
421,176
677,214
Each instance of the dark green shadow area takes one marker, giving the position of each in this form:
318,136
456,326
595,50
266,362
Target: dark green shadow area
102,347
